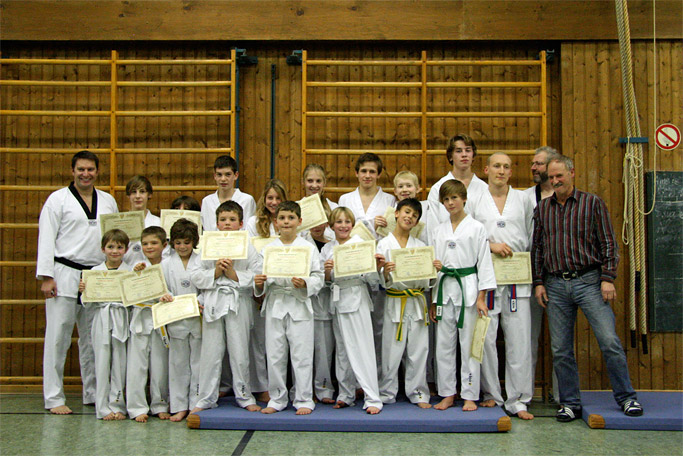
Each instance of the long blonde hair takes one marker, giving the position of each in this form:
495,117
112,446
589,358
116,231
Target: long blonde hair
316,167
263,215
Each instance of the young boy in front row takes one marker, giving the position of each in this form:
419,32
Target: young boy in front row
227,287
289,319
185,336
147,351
109,335
405,315
463,257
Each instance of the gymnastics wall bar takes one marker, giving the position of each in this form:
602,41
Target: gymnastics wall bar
424,85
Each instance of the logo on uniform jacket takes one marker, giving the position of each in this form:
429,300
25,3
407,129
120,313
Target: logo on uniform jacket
500,224
185,283
451,244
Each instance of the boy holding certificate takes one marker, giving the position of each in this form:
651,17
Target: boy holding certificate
351,305
226,286
139,192
288,310
147,347
185,336
109,335
405,314
463,259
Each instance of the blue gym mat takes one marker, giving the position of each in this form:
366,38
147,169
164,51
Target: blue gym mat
663,411
398,417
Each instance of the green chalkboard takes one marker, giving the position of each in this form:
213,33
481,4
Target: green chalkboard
665,251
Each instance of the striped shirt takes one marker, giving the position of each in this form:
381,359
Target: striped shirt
573,237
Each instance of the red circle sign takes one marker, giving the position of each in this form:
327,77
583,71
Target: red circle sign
667,136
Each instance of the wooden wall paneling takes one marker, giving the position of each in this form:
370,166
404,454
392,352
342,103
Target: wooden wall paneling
675,57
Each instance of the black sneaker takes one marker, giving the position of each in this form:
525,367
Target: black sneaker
632,408
566,414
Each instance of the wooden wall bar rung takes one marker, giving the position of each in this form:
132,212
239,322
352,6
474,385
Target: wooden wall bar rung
19,380
18,225
362,114
482,62
364,84
217,112
365,62
16,263
485,114
30,187
12,82
173,83
363,151
174,62
23,112
21,302
55,61
174,188
489,152
177,150
28,340
43,150
482,85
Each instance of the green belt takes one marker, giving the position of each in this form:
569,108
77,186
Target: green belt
404,295
457,274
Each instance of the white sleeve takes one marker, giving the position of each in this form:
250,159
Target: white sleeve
48,227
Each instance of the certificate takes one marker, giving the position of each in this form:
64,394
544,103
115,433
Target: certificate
225,244
515,269
170,216
132,223
101,286
390,216
478,337
355,258
312,212
415,263
260,242
287,260
139,287
182,307
363,231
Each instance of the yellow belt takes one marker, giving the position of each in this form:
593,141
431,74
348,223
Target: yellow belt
404,295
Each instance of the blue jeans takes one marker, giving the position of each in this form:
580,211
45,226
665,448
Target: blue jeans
565,297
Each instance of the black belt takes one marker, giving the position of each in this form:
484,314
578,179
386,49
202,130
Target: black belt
568,275
72,264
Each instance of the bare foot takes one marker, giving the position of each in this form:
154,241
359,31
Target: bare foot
268,410
327,400
424,405
142,418
253,408
118,416
445,403
180,416
262,396
523,414
488,403
303,411
61,410
110,417
222,393
340,405
372,410
196,410
469,406
163,415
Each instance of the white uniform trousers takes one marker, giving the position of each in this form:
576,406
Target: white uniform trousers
110,368
61,313
415,344
231,331
536,326
516,331
447,337
356,333
323,350
147,354
183,372
285,336
346,380
257,353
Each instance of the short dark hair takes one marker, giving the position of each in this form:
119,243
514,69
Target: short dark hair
157,231
290,206
138,182
412,203
369,157
85,155
185,229
190,203
230,206
115,235
460,137
225,161
452,187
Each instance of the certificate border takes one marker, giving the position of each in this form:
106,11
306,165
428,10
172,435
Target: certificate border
270,248
349,246
225,234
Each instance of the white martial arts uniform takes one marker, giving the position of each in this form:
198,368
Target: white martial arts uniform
211,202
228,317
465,247
351,304
68,229
438,213
414,333
514,227
185,336
110,329
147,354
289,331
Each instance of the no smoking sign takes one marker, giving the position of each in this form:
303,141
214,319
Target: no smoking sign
667,136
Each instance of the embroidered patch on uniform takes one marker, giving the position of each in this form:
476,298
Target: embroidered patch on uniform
500,224
451,244
185,283
137,248
92,222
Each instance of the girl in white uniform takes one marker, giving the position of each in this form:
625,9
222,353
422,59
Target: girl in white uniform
466,272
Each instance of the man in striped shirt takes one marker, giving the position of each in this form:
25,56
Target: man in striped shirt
574,256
